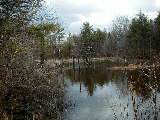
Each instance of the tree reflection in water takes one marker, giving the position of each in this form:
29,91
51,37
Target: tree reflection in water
141,87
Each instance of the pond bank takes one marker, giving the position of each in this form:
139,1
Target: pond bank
133,67
116,63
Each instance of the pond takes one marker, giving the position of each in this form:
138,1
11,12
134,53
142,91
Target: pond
103,94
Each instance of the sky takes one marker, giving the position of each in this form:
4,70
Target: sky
99,13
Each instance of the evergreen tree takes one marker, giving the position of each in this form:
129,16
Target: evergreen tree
139,36
87,46
156,32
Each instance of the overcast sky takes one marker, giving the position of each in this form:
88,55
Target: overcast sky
100,13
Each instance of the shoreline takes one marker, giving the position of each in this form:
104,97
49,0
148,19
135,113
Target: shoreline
125,65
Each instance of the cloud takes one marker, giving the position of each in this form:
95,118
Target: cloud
157,2
74,27
68,7
99,13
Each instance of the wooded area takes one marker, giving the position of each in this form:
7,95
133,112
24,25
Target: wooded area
29,40
130,39
29,88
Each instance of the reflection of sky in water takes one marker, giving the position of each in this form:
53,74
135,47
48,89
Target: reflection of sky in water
111,101
101,106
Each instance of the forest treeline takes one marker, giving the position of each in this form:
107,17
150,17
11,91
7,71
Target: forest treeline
138,38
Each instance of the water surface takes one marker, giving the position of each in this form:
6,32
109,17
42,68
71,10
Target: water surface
102,94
